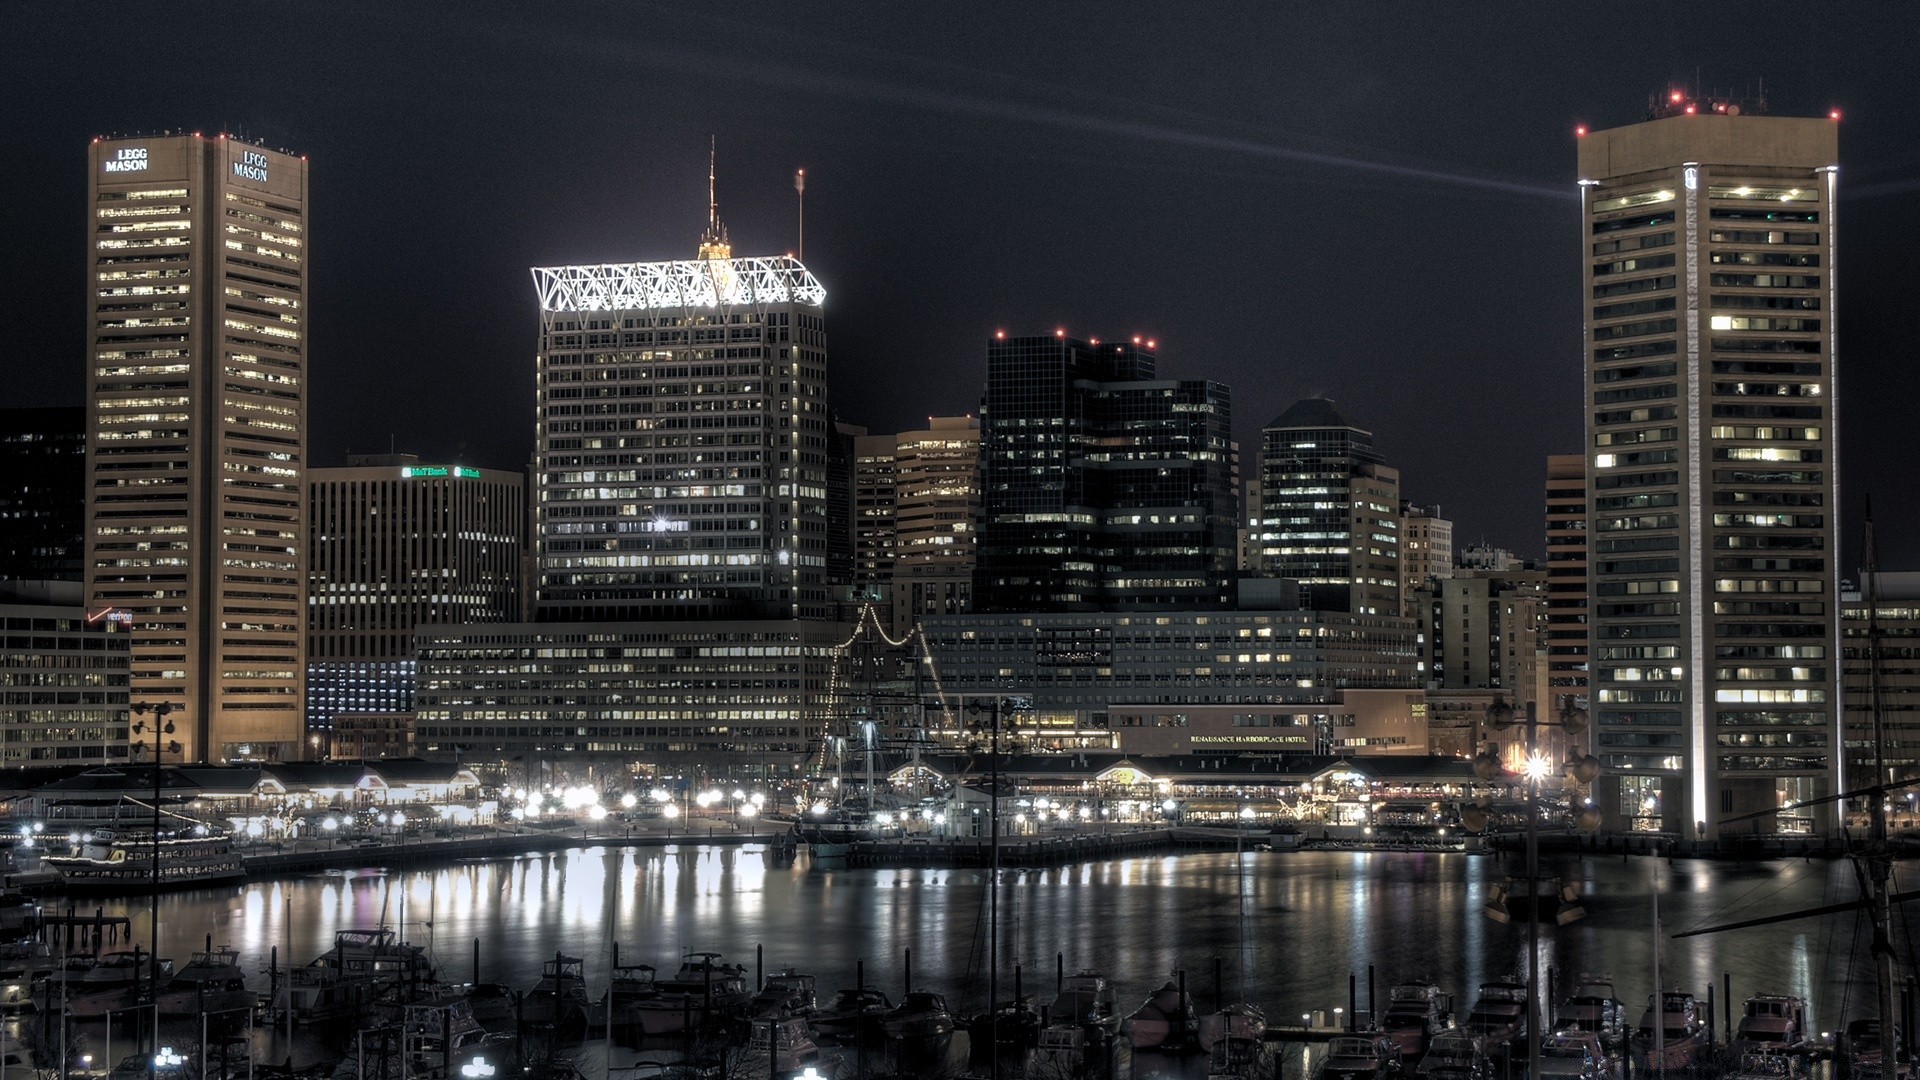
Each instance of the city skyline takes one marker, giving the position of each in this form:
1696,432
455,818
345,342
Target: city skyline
1362,190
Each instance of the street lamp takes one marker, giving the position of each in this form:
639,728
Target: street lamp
161,727
1535,768
976,707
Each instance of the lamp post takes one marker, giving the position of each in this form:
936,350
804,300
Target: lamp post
1582,769
993,882
161,726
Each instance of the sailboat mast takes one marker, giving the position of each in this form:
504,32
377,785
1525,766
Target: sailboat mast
1879,859
1659,1061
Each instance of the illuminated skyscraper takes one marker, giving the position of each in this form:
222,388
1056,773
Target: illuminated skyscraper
1707,258
1103,487
398,543
197,254
1330,511
681,460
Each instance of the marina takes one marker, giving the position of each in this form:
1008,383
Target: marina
1306,941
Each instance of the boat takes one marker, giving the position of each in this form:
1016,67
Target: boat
1086,1000
19,914
1164,1021
1357,1057
351,975
1771,1024
1761,1066
1573,1055
848,822
493,1004
1236,1025
1014,1027
1061,1054
702,991
211,984
851,1014
1499,1015
631,984
559,1000
119,858
1861,1047
1416,1011
1593,1007
1684,1033
1450,1056
784,994
113,982
784,1048
921,1014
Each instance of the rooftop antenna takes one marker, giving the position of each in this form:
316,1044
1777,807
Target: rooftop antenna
800,189
713,244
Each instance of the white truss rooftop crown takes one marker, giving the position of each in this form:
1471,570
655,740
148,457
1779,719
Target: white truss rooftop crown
689,283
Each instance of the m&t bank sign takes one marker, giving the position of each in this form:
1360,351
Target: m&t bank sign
128,159
251,166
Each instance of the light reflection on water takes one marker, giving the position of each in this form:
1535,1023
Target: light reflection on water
1289,928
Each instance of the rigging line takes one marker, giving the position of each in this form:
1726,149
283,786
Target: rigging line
1722,913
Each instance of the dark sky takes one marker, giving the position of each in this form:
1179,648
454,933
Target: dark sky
1372,202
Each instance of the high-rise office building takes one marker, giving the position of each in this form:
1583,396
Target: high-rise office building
1881,653
682,446
1567,579
1426,553
936,519
1707,277
197,251
397,543
1103,486
63,679
874,484
1330,511
43,470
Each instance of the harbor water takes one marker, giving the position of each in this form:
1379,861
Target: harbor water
1287,929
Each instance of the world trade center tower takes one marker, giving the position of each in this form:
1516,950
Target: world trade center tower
1708,255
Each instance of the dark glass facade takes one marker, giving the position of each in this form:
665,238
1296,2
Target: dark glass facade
1104,488
43,464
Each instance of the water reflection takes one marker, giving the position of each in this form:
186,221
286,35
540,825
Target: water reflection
1289,928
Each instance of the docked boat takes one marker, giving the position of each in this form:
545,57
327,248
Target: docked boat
631,984
1416,1011
1450,1056
1862,1046
1014,1027
849,822
784,994
920,1015
1084,999
1499,1015
1573,1055
19,914
349,977
1237,1025
559,1000
111,983
1758,1066
1357,1057
119,858
1165,1021
494,1005
1593,1007
702,991
784,1048
851,1014
1061,1055
1683,1030
1771,1024
211,984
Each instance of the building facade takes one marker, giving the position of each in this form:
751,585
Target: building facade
197,250
1103,487
741,696
397,543
1567,577
1708,286
683,440
1426,553
63,680
936,515
875,490
1881,657
43,473
1072,670
1330,511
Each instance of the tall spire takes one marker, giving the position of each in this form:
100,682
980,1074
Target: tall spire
713,243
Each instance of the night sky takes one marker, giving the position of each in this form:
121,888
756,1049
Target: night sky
1369,202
